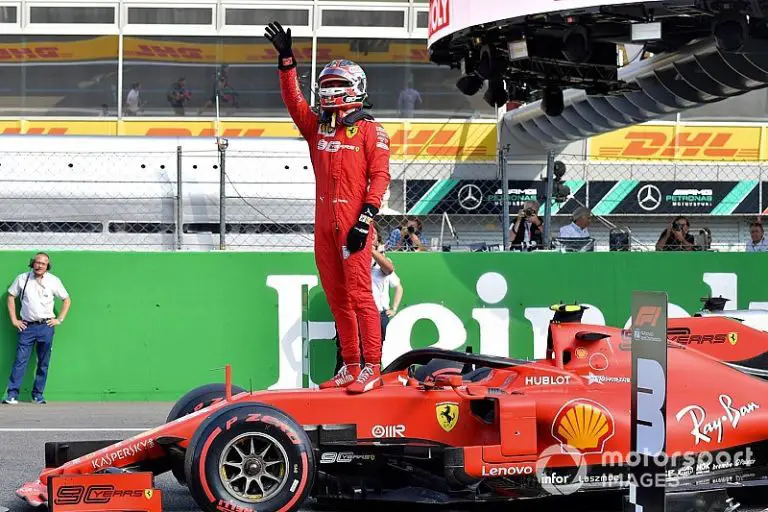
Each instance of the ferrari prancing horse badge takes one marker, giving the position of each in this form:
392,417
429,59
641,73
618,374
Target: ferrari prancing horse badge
351,131
447,415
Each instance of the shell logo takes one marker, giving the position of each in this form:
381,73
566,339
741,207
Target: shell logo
583,424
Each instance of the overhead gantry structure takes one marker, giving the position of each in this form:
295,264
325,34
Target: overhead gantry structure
560,59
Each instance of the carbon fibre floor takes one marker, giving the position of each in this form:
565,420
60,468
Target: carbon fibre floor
24,429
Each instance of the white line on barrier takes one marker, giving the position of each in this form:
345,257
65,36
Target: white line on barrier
74,429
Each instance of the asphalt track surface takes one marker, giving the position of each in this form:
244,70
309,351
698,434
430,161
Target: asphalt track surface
24,429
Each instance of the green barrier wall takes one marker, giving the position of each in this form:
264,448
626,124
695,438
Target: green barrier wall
152,326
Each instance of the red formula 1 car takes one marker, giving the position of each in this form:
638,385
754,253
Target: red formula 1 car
454,427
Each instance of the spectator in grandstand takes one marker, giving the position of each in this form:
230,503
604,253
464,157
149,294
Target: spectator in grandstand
179,95
526,233
132,101
408,237
224,91
676,237
578,228
36,289
704,240
407,101
758,242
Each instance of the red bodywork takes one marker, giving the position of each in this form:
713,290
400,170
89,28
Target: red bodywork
579,396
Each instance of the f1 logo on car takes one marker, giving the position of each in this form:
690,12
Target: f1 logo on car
648,315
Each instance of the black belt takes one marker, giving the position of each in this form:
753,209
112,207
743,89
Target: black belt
32,322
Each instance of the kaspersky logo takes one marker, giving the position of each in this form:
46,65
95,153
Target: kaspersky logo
583,424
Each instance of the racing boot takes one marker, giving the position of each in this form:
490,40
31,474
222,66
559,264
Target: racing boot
346,376
368,379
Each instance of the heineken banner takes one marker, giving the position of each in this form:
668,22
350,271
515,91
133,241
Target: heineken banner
625,197
148,336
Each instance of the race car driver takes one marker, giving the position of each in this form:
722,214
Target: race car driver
350,156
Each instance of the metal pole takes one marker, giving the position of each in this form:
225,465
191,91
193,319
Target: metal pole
505,198
548,204
222,193
179,201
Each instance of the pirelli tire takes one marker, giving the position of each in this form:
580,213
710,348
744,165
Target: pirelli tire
250,457
194,400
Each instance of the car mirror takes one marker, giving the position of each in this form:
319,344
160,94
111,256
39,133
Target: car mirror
452,380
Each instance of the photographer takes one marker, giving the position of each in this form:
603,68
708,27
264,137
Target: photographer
526,233
676,237
408,238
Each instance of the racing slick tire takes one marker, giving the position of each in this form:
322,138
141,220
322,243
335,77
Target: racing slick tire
194,400
250,457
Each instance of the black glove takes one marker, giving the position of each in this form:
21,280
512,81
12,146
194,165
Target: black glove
282,42
358,235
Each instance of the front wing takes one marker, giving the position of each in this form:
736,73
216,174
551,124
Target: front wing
102,492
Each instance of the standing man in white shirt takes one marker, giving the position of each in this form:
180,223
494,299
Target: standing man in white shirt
37,290
383,277
132,101
758,242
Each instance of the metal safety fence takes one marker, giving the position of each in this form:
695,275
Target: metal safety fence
225,198
636,204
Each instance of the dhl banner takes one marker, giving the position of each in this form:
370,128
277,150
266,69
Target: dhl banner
435,141
142,49
680,142
95,48
151,50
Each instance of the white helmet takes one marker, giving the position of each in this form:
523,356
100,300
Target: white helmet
348,95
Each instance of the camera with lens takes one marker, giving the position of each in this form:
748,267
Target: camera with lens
676,227
528,212
411,229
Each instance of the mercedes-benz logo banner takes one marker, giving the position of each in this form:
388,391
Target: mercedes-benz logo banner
624,197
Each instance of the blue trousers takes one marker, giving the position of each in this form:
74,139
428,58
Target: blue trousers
41,337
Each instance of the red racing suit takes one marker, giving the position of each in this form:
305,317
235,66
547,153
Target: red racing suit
351,166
